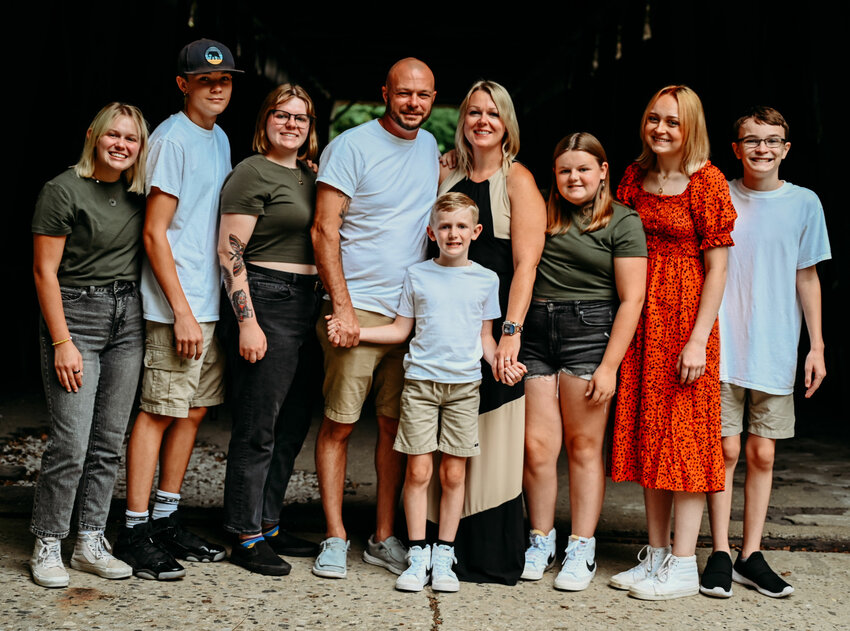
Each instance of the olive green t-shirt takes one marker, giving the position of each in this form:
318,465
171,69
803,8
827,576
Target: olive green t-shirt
284,208
578,265
102,223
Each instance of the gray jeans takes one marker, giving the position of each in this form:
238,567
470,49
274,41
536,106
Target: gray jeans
87,427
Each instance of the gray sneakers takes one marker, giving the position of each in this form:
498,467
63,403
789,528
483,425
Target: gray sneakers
389,553
46,563
93,554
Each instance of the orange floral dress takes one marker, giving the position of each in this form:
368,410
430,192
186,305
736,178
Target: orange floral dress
666,435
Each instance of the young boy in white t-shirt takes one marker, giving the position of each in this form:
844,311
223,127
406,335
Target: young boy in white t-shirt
453,302
772,282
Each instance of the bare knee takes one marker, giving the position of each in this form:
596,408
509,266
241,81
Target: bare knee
731,450
332,432
583,450
387,427
760,454
419,470
452,472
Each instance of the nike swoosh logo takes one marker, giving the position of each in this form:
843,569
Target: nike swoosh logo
590,566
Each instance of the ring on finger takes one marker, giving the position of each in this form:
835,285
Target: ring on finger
77,372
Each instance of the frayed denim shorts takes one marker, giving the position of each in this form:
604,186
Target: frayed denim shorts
569,337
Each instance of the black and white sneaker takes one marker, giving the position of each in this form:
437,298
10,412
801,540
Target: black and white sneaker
137,548
181,543
755,572
716,578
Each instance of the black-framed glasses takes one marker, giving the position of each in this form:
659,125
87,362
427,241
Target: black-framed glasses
774,142
281,117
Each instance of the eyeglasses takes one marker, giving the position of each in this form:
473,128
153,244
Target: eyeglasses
281,117
774,142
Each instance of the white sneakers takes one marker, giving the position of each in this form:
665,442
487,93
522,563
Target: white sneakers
650,560
417,574
429,564
540,555
677,577
579,565
46,563
91,554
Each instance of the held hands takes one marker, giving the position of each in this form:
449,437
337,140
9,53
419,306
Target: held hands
188,337
814,372
506,367
252,341
601,386
69,366
341,334
690,364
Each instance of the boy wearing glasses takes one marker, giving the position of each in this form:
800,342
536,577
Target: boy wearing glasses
772,283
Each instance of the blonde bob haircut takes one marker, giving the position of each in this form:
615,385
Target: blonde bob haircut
510,141
449,203
102,123
281,94
691,122
558,210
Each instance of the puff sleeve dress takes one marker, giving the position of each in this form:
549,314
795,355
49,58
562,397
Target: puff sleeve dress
666,435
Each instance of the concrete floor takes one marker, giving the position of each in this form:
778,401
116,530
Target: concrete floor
809,523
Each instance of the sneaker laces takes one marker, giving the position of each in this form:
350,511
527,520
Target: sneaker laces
667,566
417,561
97,545
575,553
50,554
538,552
443,562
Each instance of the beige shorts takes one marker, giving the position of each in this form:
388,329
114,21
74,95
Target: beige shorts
768,415
444,411
352,373
172,385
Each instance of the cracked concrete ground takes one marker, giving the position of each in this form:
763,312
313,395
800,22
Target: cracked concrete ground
809,523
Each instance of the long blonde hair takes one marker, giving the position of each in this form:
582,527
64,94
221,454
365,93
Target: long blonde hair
510,141
558,210
135,175
692,123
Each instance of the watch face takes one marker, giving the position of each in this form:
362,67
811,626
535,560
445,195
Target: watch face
508,328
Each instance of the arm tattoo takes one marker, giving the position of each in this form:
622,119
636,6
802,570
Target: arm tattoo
346,202
236,254
239,299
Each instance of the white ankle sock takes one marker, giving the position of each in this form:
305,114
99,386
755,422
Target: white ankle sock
165,503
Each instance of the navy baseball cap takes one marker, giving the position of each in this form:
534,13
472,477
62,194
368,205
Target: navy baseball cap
205,55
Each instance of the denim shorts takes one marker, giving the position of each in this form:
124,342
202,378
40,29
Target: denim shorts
568,337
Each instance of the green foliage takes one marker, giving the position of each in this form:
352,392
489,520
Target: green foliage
441,123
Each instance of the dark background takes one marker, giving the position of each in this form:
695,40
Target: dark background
587,66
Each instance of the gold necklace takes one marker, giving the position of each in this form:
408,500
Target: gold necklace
298,178
663,179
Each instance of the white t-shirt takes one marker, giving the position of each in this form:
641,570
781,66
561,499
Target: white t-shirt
392,184
449,304
777,233
189,162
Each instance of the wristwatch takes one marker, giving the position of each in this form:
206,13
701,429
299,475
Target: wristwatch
511,328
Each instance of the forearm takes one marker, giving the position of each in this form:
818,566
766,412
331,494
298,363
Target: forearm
519,297
230,256
50,301
712,295
164,269
489,346
394,333
809,292
329,265
622,332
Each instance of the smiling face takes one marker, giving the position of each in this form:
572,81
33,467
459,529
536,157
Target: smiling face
578,175
662,131
286,136
760,162
454,231
409,95
207,96
116,150
482,126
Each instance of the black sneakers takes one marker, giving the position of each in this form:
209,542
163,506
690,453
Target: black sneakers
259,558
181,543
717,576
755,572
292,546
138,549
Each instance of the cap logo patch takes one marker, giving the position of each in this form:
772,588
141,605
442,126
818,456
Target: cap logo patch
213,55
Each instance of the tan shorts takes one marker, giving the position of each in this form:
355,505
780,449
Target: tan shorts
172,385
351,373
768,415
447,410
